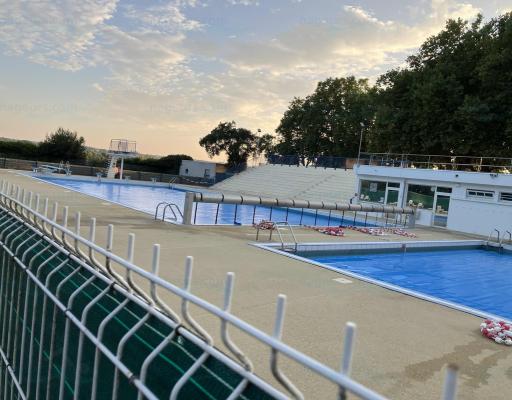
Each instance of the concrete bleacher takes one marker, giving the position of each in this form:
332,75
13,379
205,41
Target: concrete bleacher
283,181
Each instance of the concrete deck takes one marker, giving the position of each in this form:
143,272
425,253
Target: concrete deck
403,344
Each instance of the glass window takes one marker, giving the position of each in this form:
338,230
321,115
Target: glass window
481,194
372,191
444,189
393,184
421,196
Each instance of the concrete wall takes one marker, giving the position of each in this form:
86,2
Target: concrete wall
466,214
198,169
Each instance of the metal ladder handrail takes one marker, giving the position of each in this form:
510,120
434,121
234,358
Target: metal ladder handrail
171,206
287,225
509,238
498,241
172,181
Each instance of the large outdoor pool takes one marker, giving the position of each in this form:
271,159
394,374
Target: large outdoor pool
476,278
146,198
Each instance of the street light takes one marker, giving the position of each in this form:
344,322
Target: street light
360,143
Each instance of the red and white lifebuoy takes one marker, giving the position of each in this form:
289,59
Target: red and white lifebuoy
499,331
265,225
329,230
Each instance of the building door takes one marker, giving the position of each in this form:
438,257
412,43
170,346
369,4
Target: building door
441,208
392,196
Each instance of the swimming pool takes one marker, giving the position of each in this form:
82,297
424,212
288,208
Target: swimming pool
472,278
145,198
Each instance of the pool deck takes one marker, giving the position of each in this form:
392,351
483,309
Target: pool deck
403,343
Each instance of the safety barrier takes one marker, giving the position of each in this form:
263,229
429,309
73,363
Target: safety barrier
299,207
74,327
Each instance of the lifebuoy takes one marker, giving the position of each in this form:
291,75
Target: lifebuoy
499,331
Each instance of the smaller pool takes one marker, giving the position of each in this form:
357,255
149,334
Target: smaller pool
473,277
146,198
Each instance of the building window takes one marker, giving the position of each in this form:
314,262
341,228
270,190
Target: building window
480,194
393,184
444,189
373,191
506,196
421,196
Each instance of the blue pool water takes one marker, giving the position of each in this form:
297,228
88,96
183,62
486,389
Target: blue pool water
146,198
476,278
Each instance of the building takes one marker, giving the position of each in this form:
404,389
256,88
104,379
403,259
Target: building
206,170
461,200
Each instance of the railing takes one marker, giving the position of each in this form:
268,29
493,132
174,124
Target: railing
440,162
314,161
89,170
46,257
498,241
172,207
295,212
123,146
278,225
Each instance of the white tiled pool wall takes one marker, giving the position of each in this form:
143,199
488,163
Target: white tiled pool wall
307,247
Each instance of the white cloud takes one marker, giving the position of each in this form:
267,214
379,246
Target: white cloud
98,87
165,72
244,2
54,33
167,17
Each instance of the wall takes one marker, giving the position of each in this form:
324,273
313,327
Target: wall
196,169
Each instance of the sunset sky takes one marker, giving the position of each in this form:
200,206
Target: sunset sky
164,73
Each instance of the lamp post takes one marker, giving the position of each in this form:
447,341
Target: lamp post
360,143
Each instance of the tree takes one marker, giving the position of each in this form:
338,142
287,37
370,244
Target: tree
238,143
18,149
327,122
168,164
454,96
62,144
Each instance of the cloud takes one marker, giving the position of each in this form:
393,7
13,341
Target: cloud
244,2
354,43
98,87
179,76
144,55
53,33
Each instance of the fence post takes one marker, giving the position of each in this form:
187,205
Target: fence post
187,210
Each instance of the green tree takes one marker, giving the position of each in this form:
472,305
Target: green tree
18,149
454,96
327,122
238,143
62,144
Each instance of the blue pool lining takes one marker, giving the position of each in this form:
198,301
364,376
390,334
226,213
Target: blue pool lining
49,179
275,248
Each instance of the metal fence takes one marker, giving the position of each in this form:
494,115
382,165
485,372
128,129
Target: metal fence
440,162
88,170
74,327
314,161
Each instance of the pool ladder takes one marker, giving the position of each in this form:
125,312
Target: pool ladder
287,228
499,239
174,209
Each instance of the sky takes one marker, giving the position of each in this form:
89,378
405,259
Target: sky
165,73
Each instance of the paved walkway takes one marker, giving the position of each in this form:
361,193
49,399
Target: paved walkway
403,344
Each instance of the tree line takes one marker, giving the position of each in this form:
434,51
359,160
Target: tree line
453,97
66,145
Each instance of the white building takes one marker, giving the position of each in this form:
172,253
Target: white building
198,169
471,202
